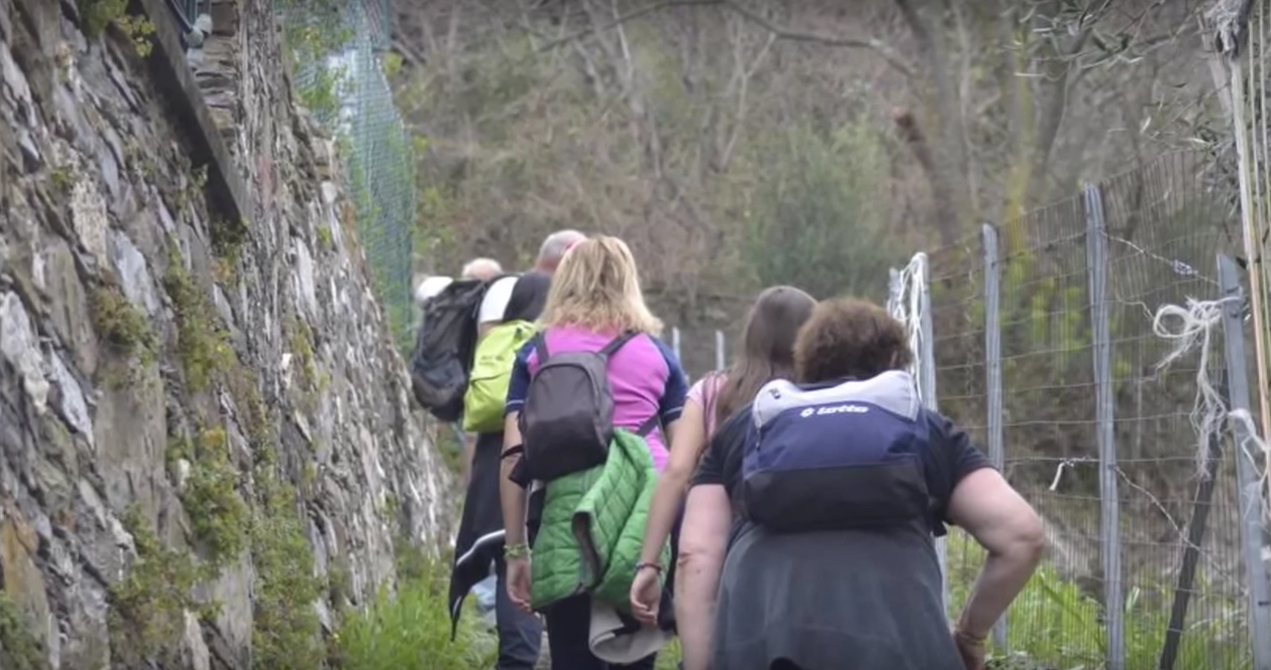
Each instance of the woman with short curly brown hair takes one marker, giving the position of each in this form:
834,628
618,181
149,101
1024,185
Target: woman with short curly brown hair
850,337
840,483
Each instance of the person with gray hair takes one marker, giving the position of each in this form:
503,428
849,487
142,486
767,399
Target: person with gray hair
554,248
482,268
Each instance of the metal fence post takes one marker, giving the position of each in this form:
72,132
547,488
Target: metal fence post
1251,503
927,386
925,368
993,370
675,344
1109,498
721,353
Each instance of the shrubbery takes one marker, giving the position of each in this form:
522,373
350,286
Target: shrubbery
1055,625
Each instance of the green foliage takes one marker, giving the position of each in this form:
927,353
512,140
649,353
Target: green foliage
62,178
148,605
321,93
817,222
324,237
311,32
122,323
211,499
228,238
391,64
302,349
202,343
97,15
410,630
1055,624
19,648
286,632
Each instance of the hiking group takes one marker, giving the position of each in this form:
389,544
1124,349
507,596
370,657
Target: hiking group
780,513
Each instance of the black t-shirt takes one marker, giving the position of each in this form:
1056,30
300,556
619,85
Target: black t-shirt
951,457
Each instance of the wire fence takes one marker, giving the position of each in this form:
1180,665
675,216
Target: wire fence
339,54
1044,348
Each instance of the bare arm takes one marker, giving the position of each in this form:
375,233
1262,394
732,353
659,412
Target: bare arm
986,506
703,542
511,496
687,442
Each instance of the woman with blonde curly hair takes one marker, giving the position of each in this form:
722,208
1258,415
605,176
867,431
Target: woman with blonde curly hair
594,306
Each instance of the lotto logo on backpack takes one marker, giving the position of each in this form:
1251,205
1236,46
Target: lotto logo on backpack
836,457
834,409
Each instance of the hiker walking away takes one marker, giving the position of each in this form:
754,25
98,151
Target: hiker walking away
491,311
484,269
766,353
503,323
592,401
841,481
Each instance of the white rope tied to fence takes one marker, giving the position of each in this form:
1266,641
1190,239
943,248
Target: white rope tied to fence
1210,412
904,302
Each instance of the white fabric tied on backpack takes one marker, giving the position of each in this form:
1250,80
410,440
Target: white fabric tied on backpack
610,642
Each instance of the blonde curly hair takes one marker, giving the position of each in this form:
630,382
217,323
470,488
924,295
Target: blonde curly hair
597,287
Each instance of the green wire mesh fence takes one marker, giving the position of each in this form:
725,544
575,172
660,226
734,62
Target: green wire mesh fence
338,50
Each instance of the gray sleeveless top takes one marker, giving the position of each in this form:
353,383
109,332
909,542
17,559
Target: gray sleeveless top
842,600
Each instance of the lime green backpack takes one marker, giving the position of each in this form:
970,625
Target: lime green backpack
491,372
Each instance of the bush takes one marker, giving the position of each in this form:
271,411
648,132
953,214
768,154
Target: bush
410,630
1055,625
818,222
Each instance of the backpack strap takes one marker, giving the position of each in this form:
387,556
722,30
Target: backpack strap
540,346
649,425
617,343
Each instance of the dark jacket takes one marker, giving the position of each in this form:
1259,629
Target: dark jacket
480,537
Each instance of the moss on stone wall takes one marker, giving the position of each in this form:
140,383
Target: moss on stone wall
286,634
148,605
19,648
121,323
210,495
202,343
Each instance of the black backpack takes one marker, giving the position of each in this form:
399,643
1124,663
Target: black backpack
567,420
445,345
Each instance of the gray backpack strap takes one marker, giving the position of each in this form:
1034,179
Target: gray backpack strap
617,343
540,346
649,425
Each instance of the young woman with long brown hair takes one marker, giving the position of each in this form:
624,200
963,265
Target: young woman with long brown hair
767,353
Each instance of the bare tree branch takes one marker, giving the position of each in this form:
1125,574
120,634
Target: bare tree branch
629,16
885,52
877,46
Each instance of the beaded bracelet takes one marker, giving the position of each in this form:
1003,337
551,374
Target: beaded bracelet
656,568
521,550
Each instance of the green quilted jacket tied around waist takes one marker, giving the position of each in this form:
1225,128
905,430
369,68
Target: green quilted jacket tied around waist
592,528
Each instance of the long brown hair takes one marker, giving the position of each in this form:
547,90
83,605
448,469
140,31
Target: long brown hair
767,346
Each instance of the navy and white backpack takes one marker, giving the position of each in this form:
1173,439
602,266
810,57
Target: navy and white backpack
835,457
